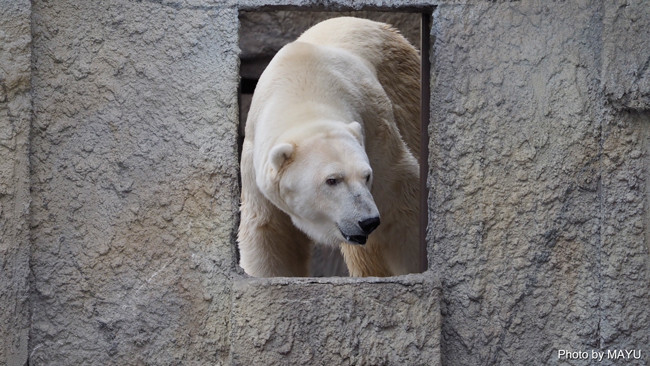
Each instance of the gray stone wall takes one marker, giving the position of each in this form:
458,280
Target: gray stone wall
539,188
134,182
15,113
119,193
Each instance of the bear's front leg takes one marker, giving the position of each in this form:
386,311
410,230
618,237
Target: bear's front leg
269,244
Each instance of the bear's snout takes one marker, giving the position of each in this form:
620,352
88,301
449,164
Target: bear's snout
369,225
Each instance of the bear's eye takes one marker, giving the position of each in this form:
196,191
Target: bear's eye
368,178
332,181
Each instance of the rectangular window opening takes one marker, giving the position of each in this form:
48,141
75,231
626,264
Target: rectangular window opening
263,33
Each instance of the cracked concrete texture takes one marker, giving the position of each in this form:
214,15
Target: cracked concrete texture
134,182
538,188
15,112
538,207
336,322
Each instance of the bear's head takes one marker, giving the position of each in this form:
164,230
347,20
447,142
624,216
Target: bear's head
323,183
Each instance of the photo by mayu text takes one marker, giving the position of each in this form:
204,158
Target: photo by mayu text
610,354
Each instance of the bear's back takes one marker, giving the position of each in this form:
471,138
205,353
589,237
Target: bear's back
307,82
396,63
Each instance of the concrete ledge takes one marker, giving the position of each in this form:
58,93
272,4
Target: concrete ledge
336,321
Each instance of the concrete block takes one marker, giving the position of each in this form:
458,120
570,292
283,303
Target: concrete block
521,196
134,182
336,321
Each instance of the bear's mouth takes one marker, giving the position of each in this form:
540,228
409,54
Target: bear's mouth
354,239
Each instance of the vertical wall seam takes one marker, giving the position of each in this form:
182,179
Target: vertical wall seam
601,143
425,116
29,218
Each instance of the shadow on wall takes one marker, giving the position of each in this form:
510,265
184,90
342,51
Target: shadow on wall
261,35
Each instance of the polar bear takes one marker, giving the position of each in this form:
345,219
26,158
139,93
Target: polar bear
330,154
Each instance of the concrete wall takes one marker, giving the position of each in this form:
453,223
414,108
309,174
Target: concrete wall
539,187
626,40
134,182
119,190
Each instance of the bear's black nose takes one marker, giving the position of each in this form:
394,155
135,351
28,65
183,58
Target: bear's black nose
368,225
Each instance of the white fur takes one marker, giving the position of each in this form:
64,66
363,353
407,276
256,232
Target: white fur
323,151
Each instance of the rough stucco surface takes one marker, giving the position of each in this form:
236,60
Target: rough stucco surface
624,263
336,322
538,188
15,113
134,182
626,59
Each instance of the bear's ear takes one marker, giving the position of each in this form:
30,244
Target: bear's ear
280,153
357,130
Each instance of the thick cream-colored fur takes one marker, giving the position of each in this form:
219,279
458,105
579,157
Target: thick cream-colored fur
341,71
